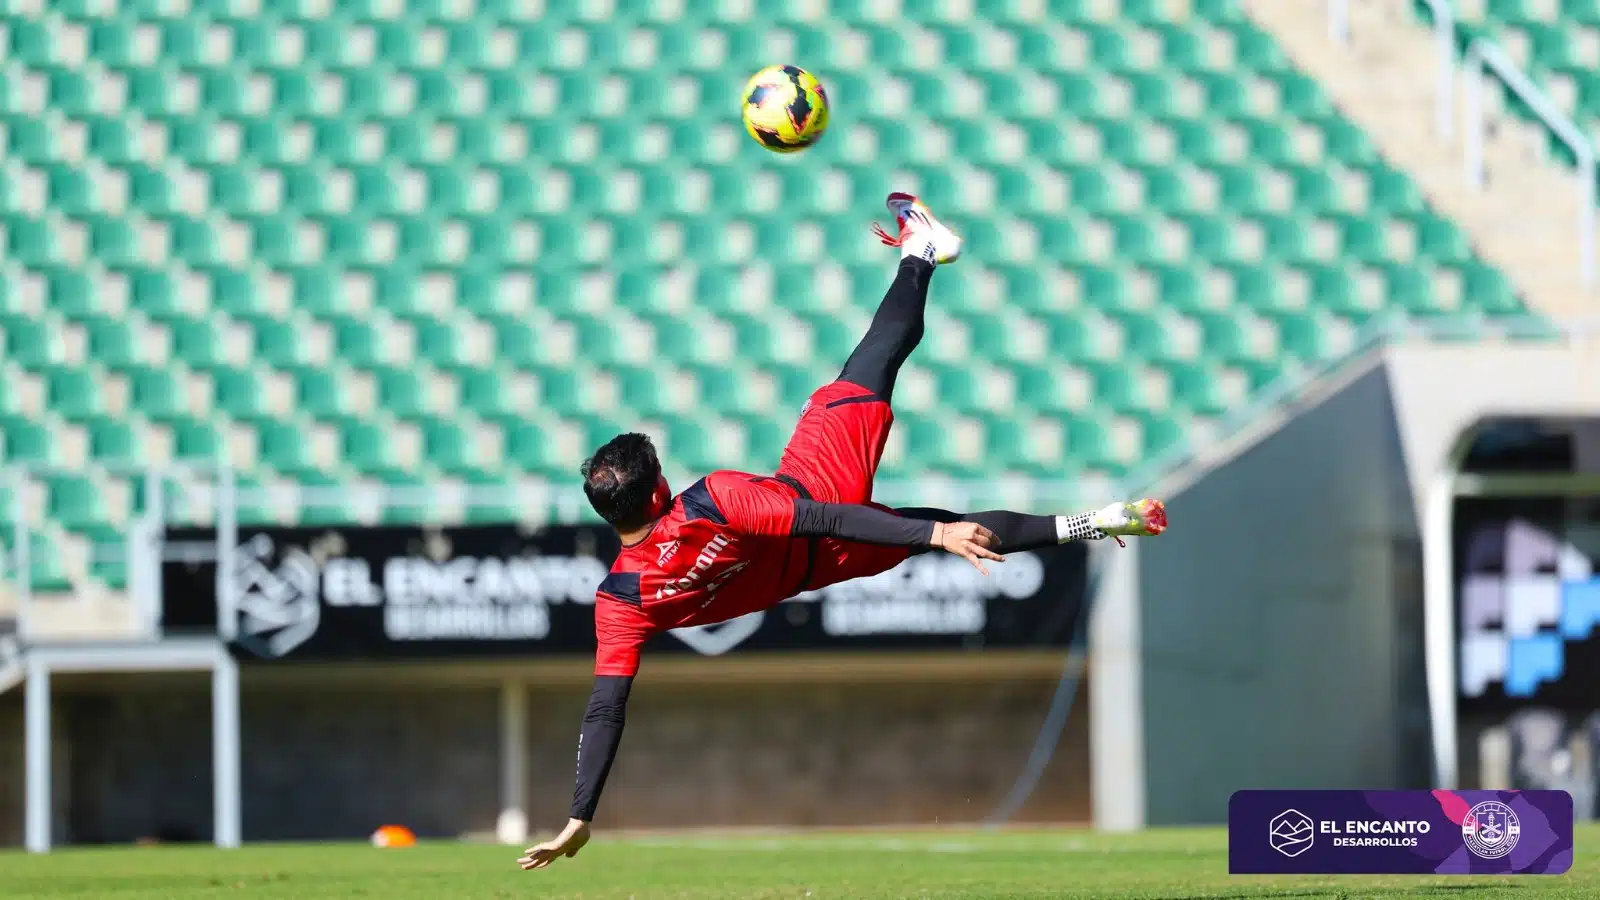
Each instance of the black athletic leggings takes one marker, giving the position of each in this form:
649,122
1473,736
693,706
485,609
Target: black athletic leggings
895,331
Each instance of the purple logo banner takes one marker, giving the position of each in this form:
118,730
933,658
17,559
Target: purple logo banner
1400,832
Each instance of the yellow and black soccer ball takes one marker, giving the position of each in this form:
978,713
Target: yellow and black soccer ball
785,108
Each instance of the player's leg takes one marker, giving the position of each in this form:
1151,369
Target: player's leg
897,326
1018,532
844,426
838,560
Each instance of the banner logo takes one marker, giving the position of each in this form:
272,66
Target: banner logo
1491,829
279,606
1292,832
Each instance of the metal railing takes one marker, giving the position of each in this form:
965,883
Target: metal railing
1339,21
1483,55
1444,38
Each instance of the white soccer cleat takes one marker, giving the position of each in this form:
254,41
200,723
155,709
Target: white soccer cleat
920,233
1140,518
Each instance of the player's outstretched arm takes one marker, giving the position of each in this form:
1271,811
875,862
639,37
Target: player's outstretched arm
971,541
766,513
597,750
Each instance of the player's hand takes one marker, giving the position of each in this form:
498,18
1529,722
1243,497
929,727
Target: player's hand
968,540
567,843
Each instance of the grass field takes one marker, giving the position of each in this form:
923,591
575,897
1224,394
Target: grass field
1177,863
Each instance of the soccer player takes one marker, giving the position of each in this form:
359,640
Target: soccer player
734,543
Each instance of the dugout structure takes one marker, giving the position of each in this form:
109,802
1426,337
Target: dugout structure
1306,635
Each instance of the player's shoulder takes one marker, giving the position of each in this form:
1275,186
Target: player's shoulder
622,582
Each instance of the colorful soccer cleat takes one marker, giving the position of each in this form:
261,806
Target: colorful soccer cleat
920,233
1141,518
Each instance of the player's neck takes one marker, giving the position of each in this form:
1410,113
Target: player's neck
637,535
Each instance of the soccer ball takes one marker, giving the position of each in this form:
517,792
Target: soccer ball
785,108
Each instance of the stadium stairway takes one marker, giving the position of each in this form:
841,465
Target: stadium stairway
1385,80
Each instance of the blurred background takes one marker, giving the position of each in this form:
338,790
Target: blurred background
310,311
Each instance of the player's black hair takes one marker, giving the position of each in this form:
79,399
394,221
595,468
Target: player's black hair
619,479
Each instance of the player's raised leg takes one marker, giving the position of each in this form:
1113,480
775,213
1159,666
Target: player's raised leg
897,326
839,440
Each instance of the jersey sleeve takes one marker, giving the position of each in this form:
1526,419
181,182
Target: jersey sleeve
620,630
750,507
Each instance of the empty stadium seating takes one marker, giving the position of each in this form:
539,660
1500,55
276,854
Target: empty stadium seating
437,242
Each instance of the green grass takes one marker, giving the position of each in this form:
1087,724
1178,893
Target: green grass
1167,863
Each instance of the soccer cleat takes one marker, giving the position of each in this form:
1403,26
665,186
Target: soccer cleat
1142,518
920,233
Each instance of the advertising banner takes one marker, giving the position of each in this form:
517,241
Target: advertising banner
394,592
1399,832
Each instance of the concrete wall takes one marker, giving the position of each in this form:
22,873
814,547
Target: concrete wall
337,760
1281,618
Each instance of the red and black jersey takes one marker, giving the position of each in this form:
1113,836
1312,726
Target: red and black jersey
724,549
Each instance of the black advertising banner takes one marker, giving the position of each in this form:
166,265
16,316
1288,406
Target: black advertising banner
383,592
397,592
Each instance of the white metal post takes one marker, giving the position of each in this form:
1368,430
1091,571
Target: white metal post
1444,38
143,556
1439,625
1117,760
21,552
1476,125
1586,224
227,546
512,826
36,727
1339,21
225,751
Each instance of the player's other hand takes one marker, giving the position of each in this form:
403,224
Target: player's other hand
968,540
567,843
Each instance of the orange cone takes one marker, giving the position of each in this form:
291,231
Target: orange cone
394,836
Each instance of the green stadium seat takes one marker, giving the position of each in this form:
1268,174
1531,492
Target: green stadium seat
366,446
27,441
72,391
240,393
155,391
195,439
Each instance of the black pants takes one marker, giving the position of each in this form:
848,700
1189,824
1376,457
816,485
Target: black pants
895,331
